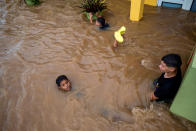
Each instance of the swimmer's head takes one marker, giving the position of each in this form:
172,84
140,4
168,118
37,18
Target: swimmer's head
171,63
100,21
63,83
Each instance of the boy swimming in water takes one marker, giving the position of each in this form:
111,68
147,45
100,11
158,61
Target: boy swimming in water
101,23
63,83
166,86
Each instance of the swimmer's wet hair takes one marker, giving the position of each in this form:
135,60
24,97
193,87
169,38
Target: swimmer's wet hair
60,78
172,60
101,20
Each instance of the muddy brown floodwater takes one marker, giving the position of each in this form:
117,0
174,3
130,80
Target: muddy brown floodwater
110,86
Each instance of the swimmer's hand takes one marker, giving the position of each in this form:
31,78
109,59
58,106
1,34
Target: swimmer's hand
153,97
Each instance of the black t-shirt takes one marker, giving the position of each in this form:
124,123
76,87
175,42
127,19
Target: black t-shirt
166,88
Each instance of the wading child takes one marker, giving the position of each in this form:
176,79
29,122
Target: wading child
119,36
63,83
166,86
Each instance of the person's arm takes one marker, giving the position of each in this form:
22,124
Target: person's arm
153,97
115,43
91,17
162,92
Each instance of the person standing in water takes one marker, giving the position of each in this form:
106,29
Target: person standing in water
119,36
166,86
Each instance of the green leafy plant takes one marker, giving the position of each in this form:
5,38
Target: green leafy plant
32,2
93,5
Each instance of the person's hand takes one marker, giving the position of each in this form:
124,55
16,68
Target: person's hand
91,14
153,97
123,35
97,14
115,44
91,17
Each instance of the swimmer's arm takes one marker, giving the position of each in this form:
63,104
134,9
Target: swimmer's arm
153,97
91,17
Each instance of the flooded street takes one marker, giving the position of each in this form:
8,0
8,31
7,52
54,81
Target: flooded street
110,87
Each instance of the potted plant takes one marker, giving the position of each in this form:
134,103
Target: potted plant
32,2
93,7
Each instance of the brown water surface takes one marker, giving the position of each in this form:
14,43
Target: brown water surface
110,86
